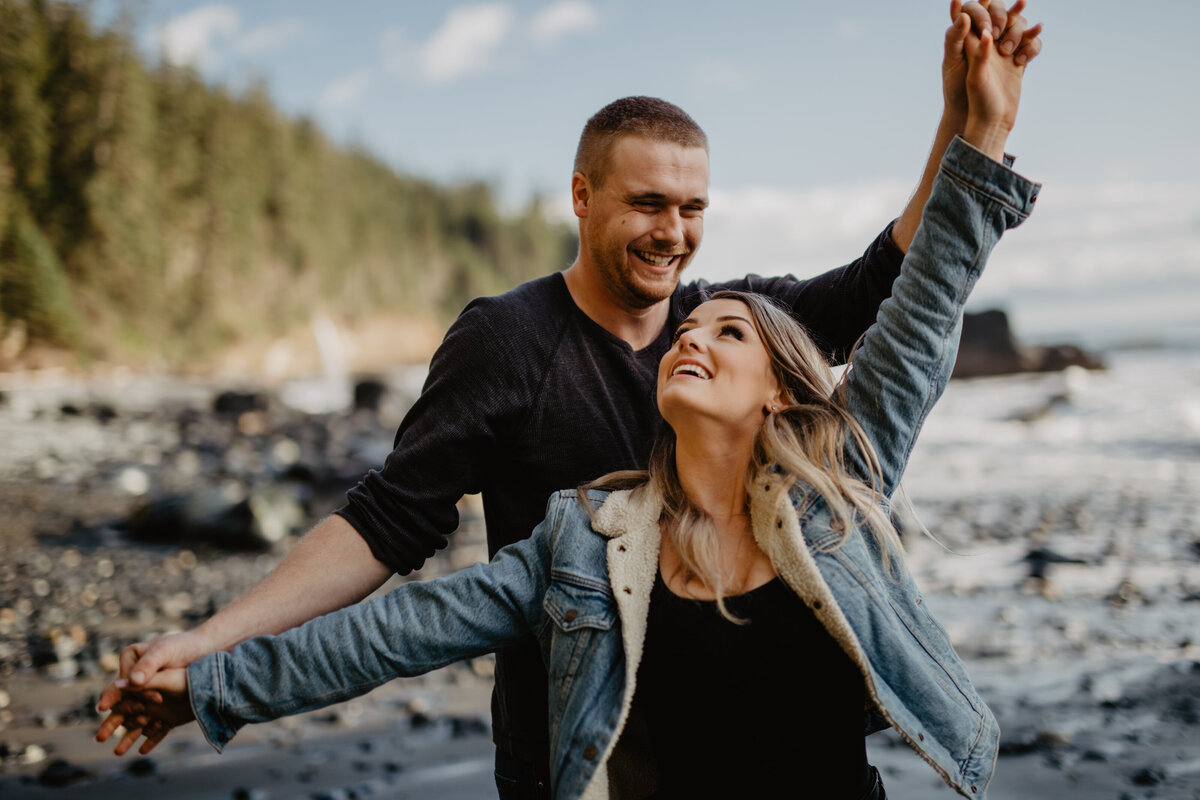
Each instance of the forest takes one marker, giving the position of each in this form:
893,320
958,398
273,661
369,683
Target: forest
146,216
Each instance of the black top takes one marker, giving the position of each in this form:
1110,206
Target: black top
527,395
773,706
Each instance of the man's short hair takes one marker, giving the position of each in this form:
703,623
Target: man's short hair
649,117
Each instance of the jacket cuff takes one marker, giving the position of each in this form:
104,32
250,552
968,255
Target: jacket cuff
205,678
972,166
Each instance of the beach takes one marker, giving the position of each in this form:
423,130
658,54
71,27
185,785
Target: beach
1054,528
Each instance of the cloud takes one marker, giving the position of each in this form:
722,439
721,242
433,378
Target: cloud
466,41
269,37
347,90
848,29
556,21
1115,254
189,38
774,231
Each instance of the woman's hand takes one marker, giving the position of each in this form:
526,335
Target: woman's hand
993,83
1009,29
152,711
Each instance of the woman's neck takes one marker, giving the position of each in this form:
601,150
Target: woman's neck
712,472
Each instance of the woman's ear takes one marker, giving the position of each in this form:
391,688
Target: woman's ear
774,402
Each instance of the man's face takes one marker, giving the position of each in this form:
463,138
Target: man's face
643,225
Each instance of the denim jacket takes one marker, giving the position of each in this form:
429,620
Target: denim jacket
582,585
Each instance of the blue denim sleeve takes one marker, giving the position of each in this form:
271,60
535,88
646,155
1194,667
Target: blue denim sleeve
416,628
906,357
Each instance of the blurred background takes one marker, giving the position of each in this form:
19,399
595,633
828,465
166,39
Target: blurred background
231,235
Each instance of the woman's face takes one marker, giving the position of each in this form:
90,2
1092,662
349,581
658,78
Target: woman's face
718,369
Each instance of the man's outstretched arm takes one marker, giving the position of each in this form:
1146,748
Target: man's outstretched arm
331,567
1013,36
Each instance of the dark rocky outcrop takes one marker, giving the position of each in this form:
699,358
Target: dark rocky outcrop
989,347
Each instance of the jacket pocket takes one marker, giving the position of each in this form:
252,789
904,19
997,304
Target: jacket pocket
582,612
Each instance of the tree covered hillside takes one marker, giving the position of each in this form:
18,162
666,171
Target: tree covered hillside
145,214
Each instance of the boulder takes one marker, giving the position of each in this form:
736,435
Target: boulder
989,347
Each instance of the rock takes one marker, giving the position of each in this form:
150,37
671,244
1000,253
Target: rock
368,394
1149,776
989,347
235,404
209,517
142,767
60,772
242,793
461,727
1040,558
133,481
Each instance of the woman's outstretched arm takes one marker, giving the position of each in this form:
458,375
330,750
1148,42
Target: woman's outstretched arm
416,628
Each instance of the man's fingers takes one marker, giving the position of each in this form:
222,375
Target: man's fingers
1031,45
130,656
151,661
956,34
981,20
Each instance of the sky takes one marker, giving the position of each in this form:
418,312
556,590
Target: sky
819,117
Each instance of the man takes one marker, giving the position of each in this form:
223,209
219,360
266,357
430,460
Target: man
552,384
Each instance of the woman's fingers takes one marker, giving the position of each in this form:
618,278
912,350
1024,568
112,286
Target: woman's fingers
127,741
1014,32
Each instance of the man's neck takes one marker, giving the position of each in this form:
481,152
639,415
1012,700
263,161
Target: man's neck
639,327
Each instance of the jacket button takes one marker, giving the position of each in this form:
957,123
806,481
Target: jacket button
571,615
921,736
628,590
974,790
837,525
590,752
620,548
817,604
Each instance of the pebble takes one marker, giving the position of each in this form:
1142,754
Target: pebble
142,767
33,754
1148,776
253,793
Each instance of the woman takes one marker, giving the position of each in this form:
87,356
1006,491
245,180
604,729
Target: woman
760,532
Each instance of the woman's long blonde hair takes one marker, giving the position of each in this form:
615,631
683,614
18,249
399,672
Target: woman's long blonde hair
804,442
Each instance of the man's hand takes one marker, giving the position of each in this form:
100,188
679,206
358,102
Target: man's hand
140,663
1010,31
151,712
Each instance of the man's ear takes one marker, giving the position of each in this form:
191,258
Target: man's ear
581,194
